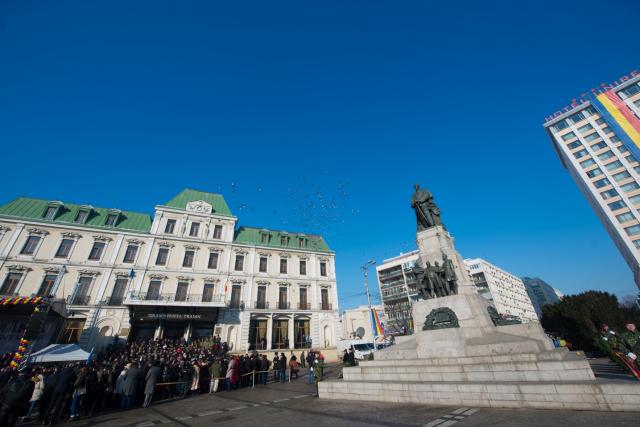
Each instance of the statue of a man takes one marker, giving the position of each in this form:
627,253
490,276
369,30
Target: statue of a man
427,213
450,275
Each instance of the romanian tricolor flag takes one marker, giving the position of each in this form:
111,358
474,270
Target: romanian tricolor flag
377,326
620,118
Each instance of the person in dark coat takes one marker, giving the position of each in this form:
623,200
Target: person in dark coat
129,386
13,398
151,380
282,367
65,379
265,369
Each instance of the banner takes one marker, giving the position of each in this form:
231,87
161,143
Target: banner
377,326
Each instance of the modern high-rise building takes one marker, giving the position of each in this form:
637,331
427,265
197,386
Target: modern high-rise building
502,289
398,290
597,139
540,292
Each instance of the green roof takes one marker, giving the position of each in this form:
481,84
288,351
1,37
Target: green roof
34,209
218,203
253,236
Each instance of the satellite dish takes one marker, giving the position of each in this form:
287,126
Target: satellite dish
360,332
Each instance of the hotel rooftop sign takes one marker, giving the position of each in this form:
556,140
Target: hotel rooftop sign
583,98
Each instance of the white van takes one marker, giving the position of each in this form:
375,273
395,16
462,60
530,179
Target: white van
361,348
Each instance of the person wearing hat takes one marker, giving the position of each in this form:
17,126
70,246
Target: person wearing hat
630,342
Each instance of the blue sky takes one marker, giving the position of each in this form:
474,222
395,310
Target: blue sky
319,117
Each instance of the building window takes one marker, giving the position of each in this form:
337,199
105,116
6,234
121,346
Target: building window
304,304
217,232
630,187
195,229
621,175
580,154
625,217
614,206
601,183
623,149
587,163
568,136
119,288
111,221
614,165
585,128
72,331
261,297
30,245
47,285
284,240
81,216
302,242
577,117
606,155
598,146
636,243
50,212
181,291
213,260
283,266
609,194
189,255
323,268
303,267
153,292
170,226
633,230
562,124
324,298
235,296
594,172
592,137
65,248
614,139
635,199
631,90
283,303
264,238
630,158
10,284
96,251
262,268
163,256
207,292
239,262
130,254
81,294
574,144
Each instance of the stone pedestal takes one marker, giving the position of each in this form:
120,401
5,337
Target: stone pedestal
476,363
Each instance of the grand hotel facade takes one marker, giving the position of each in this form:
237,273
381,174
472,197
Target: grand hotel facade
190,271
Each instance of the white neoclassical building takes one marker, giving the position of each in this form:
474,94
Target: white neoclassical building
190,271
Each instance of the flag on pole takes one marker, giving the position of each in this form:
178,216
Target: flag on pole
377,326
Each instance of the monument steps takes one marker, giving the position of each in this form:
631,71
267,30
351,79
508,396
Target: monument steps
581,395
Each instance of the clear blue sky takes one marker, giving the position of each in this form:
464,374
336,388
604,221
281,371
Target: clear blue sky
319,117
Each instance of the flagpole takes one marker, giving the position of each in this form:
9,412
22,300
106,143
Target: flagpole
365,270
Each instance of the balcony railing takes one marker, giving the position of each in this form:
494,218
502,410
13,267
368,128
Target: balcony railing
114,301
236,304
304,306
174,298
325,306
79,299
283,305
261,305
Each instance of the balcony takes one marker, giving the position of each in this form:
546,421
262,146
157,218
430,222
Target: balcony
304,306
181,300
283,305
79,300
325,306
113,301
261,305
237,305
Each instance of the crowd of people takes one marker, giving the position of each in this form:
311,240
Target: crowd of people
122,377
626,344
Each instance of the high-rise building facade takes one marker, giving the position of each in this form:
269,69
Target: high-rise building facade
541,293
398,290
190,271
597,139
505,291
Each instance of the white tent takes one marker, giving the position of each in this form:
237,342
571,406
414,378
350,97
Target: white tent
60,353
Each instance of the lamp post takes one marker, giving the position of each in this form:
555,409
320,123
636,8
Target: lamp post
365,270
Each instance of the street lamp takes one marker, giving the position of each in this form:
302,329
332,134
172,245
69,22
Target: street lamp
365,270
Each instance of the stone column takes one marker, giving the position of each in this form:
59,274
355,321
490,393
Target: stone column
269,331
291,331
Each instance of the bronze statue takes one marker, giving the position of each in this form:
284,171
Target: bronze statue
427,213
434,281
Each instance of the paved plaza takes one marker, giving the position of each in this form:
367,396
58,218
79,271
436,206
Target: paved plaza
295,404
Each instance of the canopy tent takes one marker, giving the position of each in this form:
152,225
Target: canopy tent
60,353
